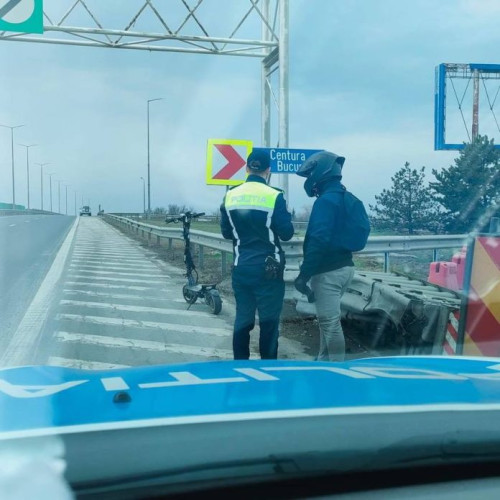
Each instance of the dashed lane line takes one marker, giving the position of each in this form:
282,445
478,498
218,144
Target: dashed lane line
123,280
170,327
82,364
139,309
148,345
116,287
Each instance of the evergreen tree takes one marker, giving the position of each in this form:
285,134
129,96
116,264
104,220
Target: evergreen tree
469,190
408,205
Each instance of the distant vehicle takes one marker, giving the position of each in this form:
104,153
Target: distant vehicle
85,211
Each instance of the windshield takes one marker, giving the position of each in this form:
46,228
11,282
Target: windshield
151,214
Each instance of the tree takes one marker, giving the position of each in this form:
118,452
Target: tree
174,209
408,206
469,190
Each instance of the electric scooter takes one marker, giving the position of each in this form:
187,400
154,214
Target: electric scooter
192,290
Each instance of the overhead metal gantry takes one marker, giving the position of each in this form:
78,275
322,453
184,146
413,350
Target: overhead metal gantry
188,31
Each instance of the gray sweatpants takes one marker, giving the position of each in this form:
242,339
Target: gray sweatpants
328,289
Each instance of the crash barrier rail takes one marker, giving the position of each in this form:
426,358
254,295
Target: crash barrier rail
26,212
376,245
298,225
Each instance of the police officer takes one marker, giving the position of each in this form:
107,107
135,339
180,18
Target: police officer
255,217
325,261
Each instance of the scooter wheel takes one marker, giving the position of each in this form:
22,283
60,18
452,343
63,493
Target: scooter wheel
188,295
214,301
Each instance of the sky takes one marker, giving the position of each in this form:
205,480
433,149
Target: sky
361,85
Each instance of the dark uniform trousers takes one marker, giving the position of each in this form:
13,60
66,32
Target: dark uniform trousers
254,293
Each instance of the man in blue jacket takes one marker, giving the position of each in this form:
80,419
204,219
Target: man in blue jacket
255,217
326,263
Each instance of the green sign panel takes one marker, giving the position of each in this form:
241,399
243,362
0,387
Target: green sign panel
21,16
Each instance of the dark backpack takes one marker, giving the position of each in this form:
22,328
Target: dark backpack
356,226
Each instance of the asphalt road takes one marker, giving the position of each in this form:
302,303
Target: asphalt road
28,245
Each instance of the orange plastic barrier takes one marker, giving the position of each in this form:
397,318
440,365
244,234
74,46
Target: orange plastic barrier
443,274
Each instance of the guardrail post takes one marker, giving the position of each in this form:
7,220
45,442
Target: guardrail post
435,255
149,237
158,241
386,262
170,243
200,256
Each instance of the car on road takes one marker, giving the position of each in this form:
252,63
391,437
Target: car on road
85,211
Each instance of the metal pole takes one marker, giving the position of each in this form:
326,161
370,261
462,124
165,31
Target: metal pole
143,195
149,171
59,196
475,106
12,156
28,146
41,187
75,203
50,182
283,92
266,92
66,199
149,167
13,174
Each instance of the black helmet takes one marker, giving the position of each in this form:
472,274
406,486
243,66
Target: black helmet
319,168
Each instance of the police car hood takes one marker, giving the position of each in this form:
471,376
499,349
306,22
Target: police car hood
133,421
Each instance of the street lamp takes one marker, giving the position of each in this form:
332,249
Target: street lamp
41,182
28,146
59,195
143,195
50,183
12,152
66,186
149,170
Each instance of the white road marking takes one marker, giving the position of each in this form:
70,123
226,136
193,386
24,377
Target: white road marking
26,221
91,272
118,296
122,287
120,307
11,225
170,327
148,345
124,280
82,364
104,256
23,341
115,265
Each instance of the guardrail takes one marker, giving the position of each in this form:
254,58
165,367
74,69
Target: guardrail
30,211
293,249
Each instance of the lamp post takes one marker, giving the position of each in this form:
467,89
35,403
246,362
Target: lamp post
41,182
12,153
59,195
75,203
143,195
28,146
149,169
66,205
50,184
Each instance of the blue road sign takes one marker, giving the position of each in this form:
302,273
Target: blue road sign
286,160
21,16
